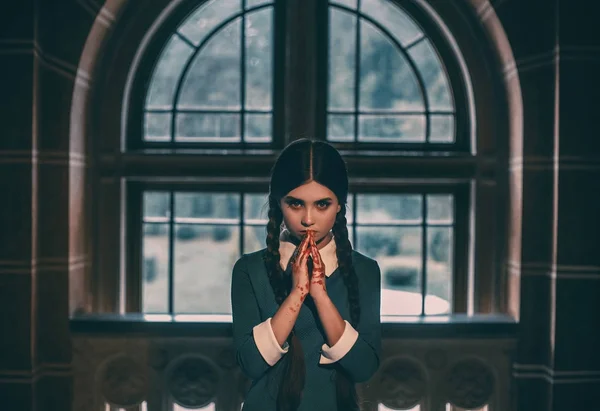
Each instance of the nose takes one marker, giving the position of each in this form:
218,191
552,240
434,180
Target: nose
307,218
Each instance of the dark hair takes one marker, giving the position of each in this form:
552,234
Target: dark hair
301,162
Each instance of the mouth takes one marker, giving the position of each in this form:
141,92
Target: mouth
304,233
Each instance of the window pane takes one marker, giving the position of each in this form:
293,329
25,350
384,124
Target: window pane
254,238
259,62
155,268
348,3
157,127
389,208
213,80
256,208
434,76
207,18
167,73
156,204
208,127
207,205
440,209
442,129
402,27
391,128
342,60
207,245
387,81
387,244
254,3
258,127
398,252
340,128
439,268
204,257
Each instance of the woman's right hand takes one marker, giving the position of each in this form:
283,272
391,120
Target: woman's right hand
301,282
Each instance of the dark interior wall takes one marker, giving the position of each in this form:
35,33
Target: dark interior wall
549,54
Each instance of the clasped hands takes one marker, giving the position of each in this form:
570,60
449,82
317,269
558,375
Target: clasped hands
303,283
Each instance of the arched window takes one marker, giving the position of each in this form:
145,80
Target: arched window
219,88
213,82
386,81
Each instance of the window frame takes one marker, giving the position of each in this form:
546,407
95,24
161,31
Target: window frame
136,189
135,129
115,163
462,126
315,57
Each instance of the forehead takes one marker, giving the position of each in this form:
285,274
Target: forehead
312,191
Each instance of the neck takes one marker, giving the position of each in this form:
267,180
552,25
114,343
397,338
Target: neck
324,241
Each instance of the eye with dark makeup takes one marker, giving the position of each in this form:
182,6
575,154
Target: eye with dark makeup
296,203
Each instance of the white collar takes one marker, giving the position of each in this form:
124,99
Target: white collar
287,248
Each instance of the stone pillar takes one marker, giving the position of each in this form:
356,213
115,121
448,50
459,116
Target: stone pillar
18,188
531,30
575,338
40,46
556,48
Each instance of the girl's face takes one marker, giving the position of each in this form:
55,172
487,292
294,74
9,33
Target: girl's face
311,206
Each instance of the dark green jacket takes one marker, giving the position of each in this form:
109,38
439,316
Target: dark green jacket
253,302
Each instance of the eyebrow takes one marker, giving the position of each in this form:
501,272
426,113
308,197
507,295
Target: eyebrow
291,198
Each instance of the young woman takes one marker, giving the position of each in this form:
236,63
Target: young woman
306,309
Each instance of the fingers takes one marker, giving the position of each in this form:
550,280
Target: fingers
305,245
298,250
316,257
295,254
302,251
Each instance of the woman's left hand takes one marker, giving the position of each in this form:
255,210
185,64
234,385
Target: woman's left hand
317,280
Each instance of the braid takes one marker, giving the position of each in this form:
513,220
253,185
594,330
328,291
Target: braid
344,257
346,390
272,257
294,371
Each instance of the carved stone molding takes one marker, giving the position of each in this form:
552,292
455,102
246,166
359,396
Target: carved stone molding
193,382
158,357
194,372
124,382
436,359
470,384
402,384
226,359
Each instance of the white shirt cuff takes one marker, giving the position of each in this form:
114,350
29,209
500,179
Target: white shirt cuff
267,344
330,355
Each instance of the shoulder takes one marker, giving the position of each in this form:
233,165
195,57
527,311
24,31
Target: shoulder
254,257
362,262
367,269
250,262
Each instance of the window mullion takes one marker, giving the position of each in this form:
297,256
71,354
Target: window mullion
133,243
242,222
171,283
424,252
357,76
243,80
301,64
321,45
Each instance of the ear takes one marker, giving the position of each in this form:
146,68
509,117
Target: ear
339,209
